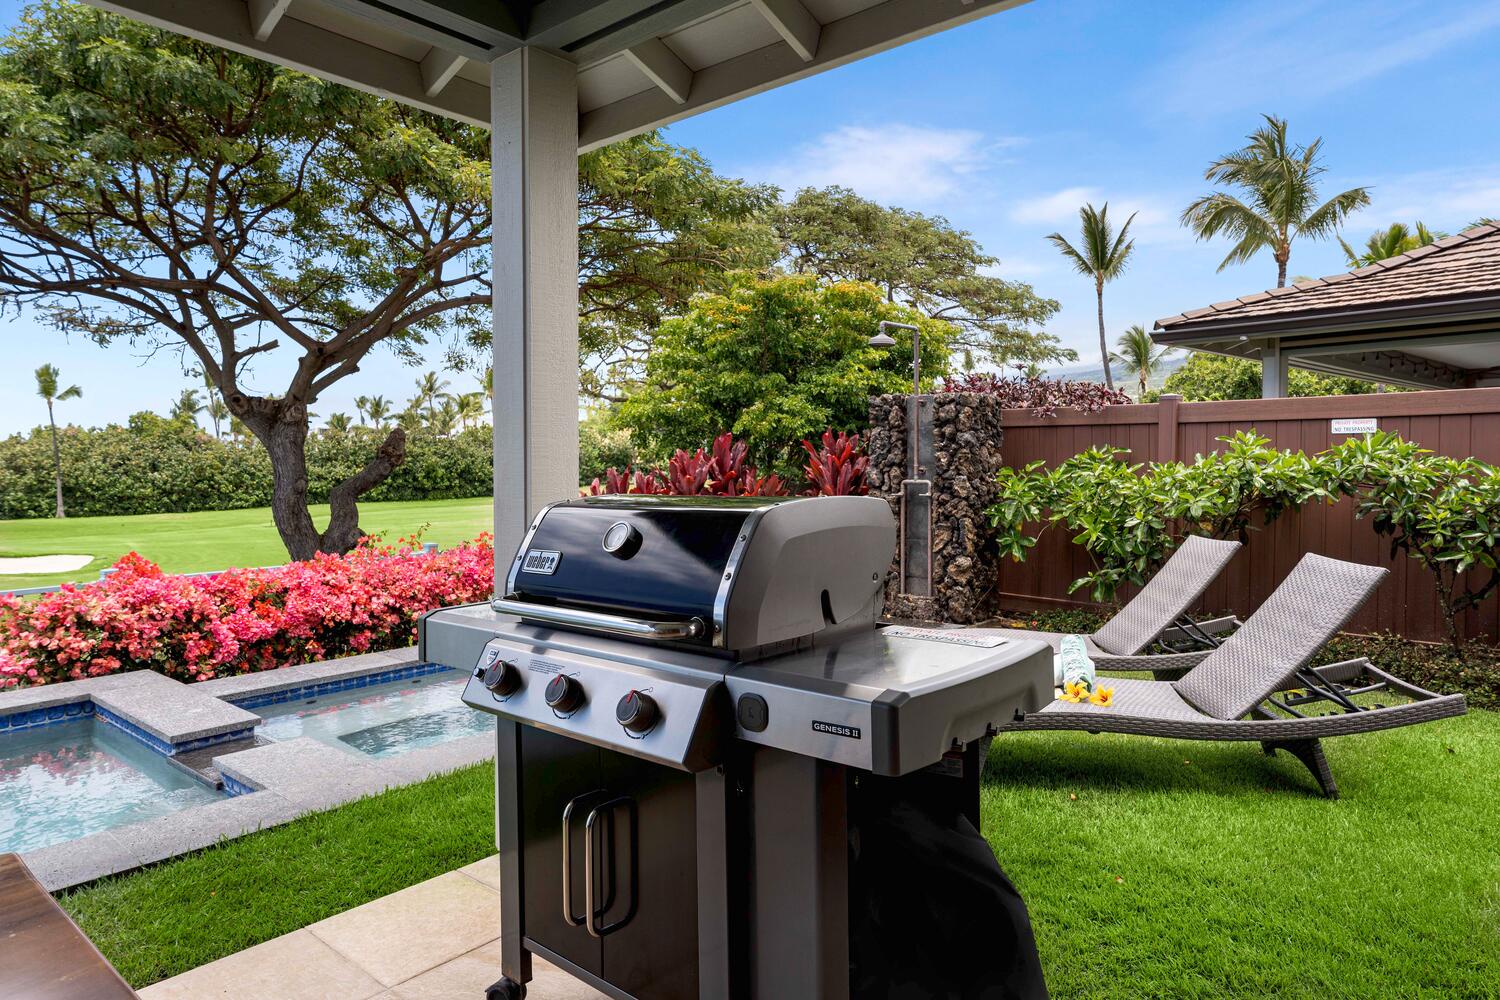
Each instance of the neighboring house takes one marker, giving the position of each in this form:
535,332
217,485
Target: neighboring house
1428,318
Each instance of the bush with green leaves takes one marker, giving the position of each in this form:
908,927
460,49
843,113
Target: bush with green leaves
1443,512
775,361
1207,376
154,465
1129,517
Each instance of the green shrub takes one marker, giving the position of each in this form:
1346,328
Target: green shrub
602,446
1129,518
155,466
1207,376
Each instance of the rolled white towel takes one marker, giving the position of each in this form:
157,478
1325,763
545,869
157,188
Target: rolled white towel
1072,664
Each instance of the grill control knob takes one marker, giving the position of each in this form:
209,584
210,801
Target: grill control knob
564,694
502,678
637,712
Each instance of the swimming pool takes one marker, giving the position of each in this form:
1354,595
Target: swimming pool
76,778
381,720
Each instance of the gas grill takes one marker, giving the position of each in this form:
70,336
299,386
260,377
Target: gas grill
718,778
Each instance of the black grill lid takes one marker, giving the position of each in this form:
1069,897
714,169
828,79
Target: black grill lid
667,561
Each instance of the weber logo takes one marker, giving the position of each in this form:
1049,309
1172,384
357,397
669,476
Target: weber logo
541,561
835,729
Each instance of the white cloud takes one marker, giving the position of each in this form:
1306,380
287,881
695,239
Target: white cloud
1255,53
1155,221
910,165
1446,199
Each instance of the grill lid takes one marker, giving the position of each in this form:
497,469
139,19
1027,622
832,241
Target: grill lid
729,572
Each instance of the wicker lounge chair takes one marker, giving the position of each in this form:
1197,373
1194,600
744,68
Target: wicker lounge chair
1255,685
1158,612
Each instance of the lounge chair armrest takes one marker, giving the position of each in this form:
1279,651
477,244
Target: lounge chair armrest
1162,665
1212,626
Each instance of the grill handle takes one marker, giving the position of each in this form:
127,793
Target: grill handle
598,621
591,912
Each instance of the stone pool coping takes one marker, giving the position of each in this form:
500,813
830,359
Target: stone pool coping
289,779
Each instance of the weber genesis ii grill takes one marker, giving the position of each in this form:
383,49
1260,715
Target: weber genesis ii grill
717,777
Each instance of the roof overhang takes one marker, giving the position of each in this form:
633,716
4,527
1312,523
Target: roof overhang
1442,344
641,63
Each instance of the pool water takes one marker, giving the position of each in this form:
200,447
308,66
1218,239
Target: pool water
382,720
76,778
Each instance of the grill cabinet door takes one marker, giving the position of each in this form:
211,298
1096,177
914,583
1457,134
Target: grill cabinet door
653,954
557,771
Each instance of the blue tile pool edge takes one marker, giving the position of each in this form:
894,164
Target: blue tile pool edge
254,701
36,718
233,787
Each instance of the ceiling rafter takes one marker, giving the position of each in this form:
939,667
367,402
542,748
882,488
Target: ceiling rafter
663,68
264,16
439,67
794,23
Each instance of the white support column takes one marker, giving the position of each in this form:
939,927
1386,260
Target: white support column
534,154
1272,370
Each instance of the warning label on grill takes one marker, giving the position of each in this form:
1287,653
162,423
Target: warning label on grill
836,729
958,637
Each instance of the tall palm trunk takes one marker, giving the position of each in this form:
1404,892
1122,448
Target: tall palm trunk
1109,379
56,460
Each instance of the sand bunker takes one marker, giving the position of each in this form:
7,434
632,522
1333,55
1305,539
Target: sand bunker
42,564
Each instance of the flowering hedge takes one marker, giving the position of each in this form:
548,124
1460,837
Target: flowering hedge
240,621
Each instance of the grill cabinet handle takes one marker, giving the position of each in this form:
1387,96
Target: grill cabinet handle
598,621
606,809
567,862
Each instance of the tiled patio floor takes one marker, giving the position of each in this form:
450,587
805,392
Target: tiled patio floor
438,940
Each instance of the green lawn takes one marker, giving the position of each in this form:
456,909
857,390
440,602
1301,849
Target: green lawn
1153,868
207,540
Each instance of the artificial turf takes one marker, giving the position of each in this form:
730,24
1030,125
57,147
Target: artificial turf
218,539
1153,868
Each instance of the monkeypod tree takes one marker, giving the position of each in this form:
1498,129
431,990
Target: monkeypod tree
161,191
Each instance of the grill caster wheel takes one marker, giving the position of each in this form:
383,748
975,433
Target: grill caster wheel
506,989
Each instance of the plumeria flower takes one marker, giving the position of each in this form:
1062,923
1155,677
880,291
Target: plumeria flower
1104,697
1075,691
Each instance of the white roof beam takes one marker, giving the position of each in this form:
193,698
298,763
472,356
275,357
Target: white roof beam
874,29
311,49
264,14
793,22
439,67
663,68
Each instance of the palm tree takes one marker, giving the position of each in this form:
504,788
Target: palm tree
338,424
215,408
1102,257
1138,353
217,413
187,407
47,378
470,407
1280,181
1395,239
377,408
360,404
429,390
444,418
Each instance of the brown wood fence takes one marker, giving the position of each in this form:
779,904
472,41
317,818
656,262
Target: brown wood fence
1460,422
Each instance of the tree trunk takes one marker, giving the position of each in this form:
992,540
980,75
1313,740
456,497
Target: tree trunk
1109,379
282,428
56,460
1281,261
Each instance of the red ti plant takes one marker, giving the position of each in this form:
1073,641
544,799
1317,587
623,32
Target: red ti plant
837,469
629,481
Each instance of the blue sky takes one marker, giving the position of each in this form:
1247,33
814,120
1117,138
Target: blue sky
1007,125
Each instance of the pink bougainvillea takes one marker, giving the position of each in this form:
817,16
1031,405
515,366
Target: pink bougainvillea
243,620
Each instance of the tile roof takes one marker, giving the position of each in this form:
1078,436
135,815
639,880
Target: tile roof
1455,267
